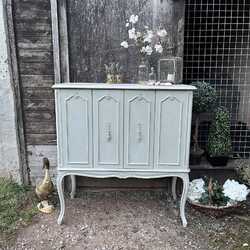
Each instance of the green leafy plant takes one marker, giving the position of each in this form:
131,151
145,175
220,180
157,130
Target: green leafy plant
203,101
219,138
213,194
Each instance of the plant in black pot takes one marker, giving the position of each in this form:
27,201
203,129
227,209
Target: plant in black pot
219,145
203,101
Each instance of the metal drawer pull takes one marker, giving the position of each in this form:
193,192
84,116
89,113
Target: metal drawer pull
108,131
139,132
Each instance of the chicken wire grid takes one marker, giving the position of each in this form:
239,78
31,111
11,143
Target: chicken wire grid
216,50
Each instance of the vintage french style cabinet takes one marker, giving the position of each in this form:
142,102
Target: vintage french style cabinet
123,130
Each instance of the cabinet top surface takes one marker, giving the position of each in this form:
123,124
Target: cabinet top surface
122,86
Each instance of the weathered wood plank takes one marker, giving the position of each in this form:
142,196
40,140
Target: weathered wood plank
33,33
40,116
42,68
31,55
33,27
34,15
34,42
48,116
21,5
41,127
39,105
56,45
38,93
64,45
40,139
37,81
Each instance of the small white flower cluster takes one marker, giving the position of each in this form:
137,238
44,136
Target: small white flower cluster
151,40
235,191
196,189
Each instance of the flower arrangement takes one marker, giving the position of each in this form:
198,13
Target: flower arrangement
146,40
210,192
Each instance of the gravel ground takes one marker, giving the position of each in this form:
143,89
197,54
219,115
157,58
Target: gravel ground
122,220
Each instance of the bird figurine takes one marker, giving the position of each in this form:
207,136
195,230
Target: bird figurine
45,188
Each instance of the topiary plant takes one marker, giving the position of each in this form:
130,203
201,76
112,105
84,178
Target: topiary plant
203,101
219,137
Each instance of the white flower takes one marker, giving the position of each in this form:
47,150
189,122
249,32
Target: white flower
235,191
148,50
149,36
133,19
196,189
158,48
132,34
124,44
138,34
127,24
162,33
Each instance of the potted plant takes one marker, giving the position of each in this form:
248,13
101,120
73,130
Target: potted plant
212,198
203,101
219,144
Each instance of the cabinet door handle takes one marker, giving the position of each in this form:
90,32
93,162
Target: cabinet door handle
139,132
108,131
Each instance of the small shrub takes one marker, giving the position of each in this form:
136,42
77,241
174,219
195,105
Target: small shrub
204,97
219,138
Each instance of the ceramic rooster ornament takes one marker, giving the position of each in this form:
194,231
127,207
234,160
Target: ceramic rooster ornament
45,188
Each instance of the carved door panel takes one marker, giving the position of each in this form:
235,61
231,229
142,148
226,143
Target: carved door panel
170,129
139,129
108,128
76,128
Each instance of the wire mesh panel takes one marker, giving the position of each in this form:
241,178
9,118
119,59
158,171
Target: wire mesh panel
217,49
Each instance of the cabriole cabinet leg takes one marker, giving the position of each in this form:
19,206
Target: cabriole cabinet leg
174,180
73,186
61,198
184,199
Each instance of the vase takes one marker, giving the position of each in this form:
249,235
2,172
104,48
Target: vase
143,72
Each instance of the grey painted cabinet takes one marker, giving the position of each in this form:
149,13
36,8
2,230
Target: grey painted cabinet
123,130
130,129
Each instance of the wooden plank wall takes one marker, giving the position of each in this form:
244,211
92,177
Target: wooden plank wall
32,23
